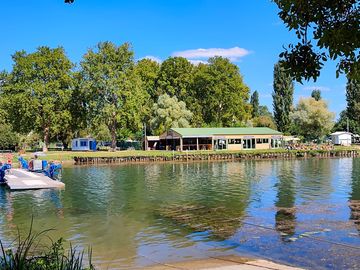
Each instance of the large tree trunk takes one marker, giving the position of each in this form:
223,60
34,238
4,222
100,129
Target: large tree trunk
113,136
46,139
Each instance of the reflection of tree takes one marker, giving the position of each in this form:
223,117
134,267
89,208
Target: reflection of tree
316,176
354,202
214,196
285,219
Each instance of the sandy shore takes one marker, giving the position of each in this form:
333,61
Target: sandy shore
223,263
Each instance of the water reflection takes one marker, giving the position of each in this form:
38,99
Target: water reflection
354,202
285,217
191,210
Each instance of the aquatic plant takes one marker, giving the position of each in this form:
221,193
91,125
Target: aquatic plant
29,254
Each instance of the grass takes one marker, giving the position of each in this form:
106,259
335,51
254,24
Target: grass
29,253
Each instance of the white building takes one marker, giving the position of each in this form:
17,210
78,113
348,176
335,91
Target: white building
83,144
341,138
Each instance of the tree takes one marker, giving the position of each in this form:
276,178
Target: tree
264,121
115,94
8,138
312,118
350,118
38,91
353,100
326,30
264,111
282,98
168,112
316,94
175,78
148,71
254,101
221,93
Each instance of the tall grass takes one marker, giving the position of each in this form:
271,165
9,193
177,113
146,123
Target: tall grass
29,253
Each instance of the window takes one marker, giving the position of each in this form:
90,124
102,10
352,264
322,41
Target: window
83,143
249,144
234,141
260,141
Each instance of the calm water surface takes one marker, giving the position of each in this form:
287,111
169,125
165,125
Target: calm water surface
303,212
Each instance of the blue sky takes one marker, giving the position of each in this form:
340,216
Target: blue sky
248,32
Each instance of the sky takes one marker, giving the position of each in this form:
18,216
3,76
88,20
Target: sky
249,33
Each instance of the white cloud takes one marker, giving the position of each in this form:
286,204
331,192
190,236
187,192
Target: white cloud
321,88
197,62
234,54
151,57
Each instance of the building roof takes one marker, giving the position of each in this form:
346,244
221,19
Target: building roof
184,132
340,133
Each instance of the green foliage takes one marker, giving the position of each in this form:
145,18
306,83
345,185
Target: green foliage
148,71
8,138
175,78
351,116
330,26
38,92
353,100
114,90
264,111
312,118
282,98
264,121
316,94
169,112
30,140
221,94
254,101
28,256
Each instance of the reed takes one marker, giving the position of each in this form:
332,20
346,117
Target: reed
29,253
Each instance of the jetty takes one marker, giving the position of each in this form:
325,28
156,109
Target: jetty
19,179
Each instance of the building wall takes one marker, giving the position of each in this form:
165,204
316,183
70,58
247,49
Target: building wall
342,139
77,146
242,137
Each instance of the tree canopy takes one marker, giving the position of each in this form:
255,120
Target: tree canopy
316,94
254,101
312,118
169,112
221,93
114,91
38,91
325,30
282,98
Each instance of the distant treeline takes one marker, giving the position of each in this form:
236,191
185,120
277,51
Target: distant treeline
111,96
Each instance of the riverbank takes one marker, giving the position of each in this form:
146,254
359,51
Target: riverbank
137,156
162,156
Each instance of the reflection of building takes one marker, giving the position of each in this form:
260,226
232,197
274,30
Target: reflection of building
217,139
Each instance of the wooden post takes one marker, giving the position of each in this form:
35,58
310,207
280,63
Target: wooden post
181,144
197,144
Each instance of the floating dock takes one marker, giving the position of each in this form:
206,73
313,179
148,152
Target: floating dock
19,179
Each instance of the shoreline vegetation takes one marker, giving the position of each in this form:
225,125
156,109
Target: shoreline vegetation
140,156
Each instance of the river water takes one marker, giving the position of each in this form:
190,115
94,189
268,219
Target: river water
301,212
